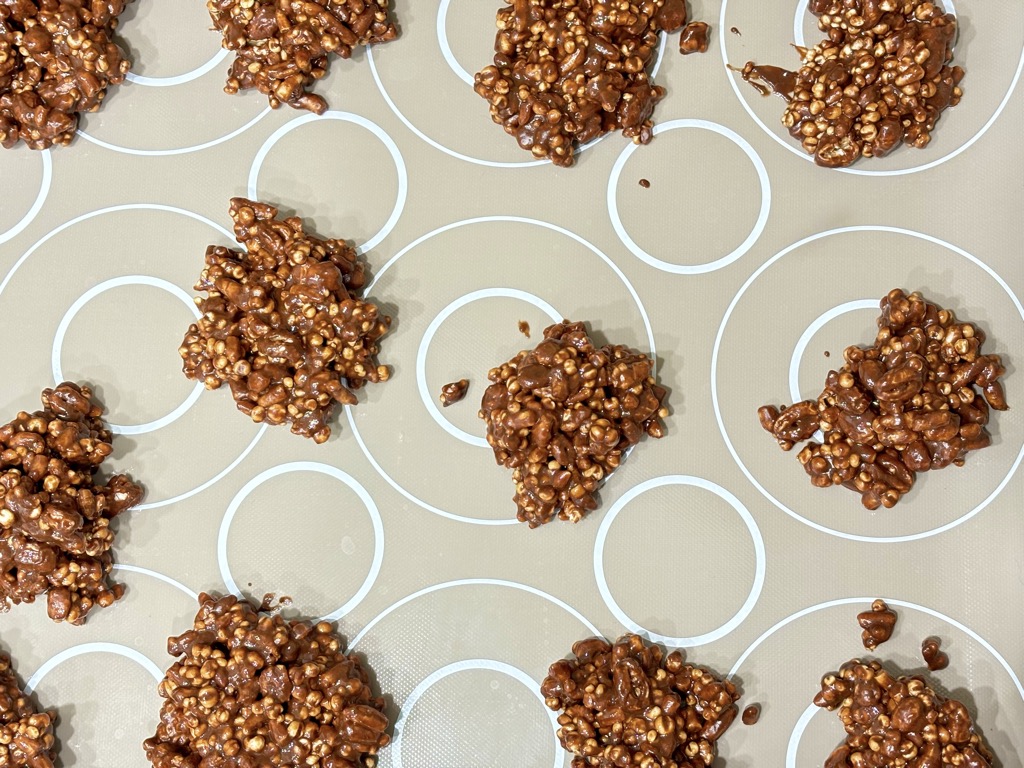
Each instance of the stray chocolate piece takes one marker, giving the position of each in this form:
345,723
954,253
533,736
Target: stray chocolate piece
645,183
569,71
524,328
893,721
452,393
878,624
55,535
827,353
917,400
282,323
253,689
881,77
562,415
26,736
751,714
57,59
735,31
694,38
628,705
283,46
933,655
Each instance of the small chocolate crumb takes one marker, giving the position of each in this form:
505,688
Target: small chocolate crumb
827,353
735,31
878,624
751,714
453,392
645,183
524,328
934,657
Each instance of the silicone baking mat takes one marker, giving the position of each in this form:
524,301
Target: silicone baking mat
738,268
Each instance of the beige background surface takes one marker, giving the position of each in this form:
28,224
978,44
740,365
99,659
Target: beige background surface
712,538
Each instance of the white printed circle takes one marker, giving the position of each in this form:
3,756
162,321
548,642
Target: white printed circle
763,464
988,87
905,653
324,469
85,298
86,648
531,243
362,122
424,349
10,156
438,675
737,506
722,261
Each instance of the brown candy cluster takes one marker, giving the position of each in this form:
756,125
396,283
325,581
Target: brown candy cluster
562,415
877,624
897,722
26,736
881,77
917,400
253,690
282,324
55,535
57,58
626,705
283,46
568,71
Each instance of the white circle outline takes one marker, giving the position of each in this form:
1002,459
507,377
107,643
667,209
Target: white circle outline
145,207
442,34
86,648
759,555
177,150
92,293
460,666
156,575
37,205
805,718
721,422
798,151
428,336
322,469
468,583
187,77
816,325
711,266
362,122
456,225
801,14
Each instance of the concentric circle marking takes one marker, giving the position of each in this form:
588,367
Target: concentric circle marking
460,666
805,717
805,338
464,75
798,151
732,449
92,293
394,259
186,77
428,336
362,122
323,469
731,500
86,648
156,575
37,204
711,266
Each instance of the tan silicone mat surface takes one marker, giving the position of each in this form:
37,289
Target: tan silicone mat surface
739,268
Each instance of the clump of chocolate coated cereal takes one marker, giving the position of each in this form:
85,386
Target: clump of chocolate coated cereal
252,689
882,77
55,535
26,736
897,721
282,323
877,624
57,59
283,46
453,392
917,400
628,705
568,71
562,415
